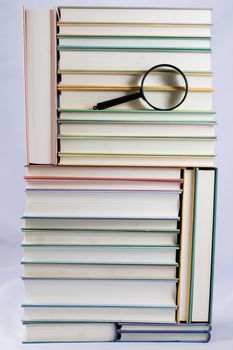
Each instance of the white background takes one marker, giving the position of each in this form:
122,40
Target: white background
12,159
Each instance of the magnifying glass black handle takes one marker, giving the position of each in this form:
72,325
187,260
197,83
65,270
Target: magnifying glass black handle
118,100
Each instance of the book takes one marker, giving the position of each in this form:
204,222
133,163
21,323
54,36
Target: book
102,184
81,97
40,81
105,254
156,327
105,58
147,129
136,145
178,160
103,203
133,41
120,237
200,306
100,292
98,270
133,116
186,245
100,172
72,222
134,15
104,313
127,78
62,332
191,337
132,29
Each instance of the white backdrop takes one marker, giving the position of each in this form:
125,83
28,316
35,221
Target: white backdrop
12,159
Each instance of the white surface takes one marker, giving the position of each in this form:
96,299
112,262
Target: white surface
13,157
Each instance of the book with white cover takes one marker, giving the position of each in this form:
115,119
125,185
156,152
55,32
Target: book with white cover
126,78
138,59
133,116
63,332
40,85
186,245
103,223
135,41
100,237
156,128
135,15
100,292
98,271
136,145
104,313
82,98
202,249
89,159
103,203
157,255
105,172
131,29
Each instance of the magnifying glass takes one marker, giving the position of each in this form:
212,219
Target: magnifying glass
164,87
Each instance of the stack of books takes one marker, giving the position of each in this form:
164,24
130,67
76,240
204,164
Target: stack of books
119,226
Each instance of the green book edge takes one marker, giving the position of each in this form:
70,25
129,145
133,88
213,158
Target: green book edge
131,49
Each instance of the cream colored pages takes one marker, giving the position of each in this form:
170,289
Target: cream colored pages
186,241
38,86
136,15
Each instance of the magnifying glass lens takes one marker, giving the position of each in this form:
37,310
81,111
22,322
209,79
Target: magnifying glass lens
163,88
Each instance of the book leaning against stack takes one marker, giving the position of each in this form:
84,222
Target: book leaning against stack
119,225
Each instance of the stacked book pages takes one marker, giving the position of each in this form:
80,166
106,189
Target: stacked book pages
119,225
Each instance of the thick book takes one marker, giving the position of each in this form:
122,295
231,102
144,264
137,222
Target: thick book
40,70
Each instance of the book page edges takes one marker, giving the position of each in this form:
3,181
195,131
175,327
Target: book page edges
53,28
25,82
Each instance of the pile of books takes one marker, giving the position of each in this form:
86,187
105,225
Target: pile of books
119,226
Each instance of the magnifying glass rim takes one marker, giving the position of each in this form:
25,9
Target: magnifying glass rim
156,67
